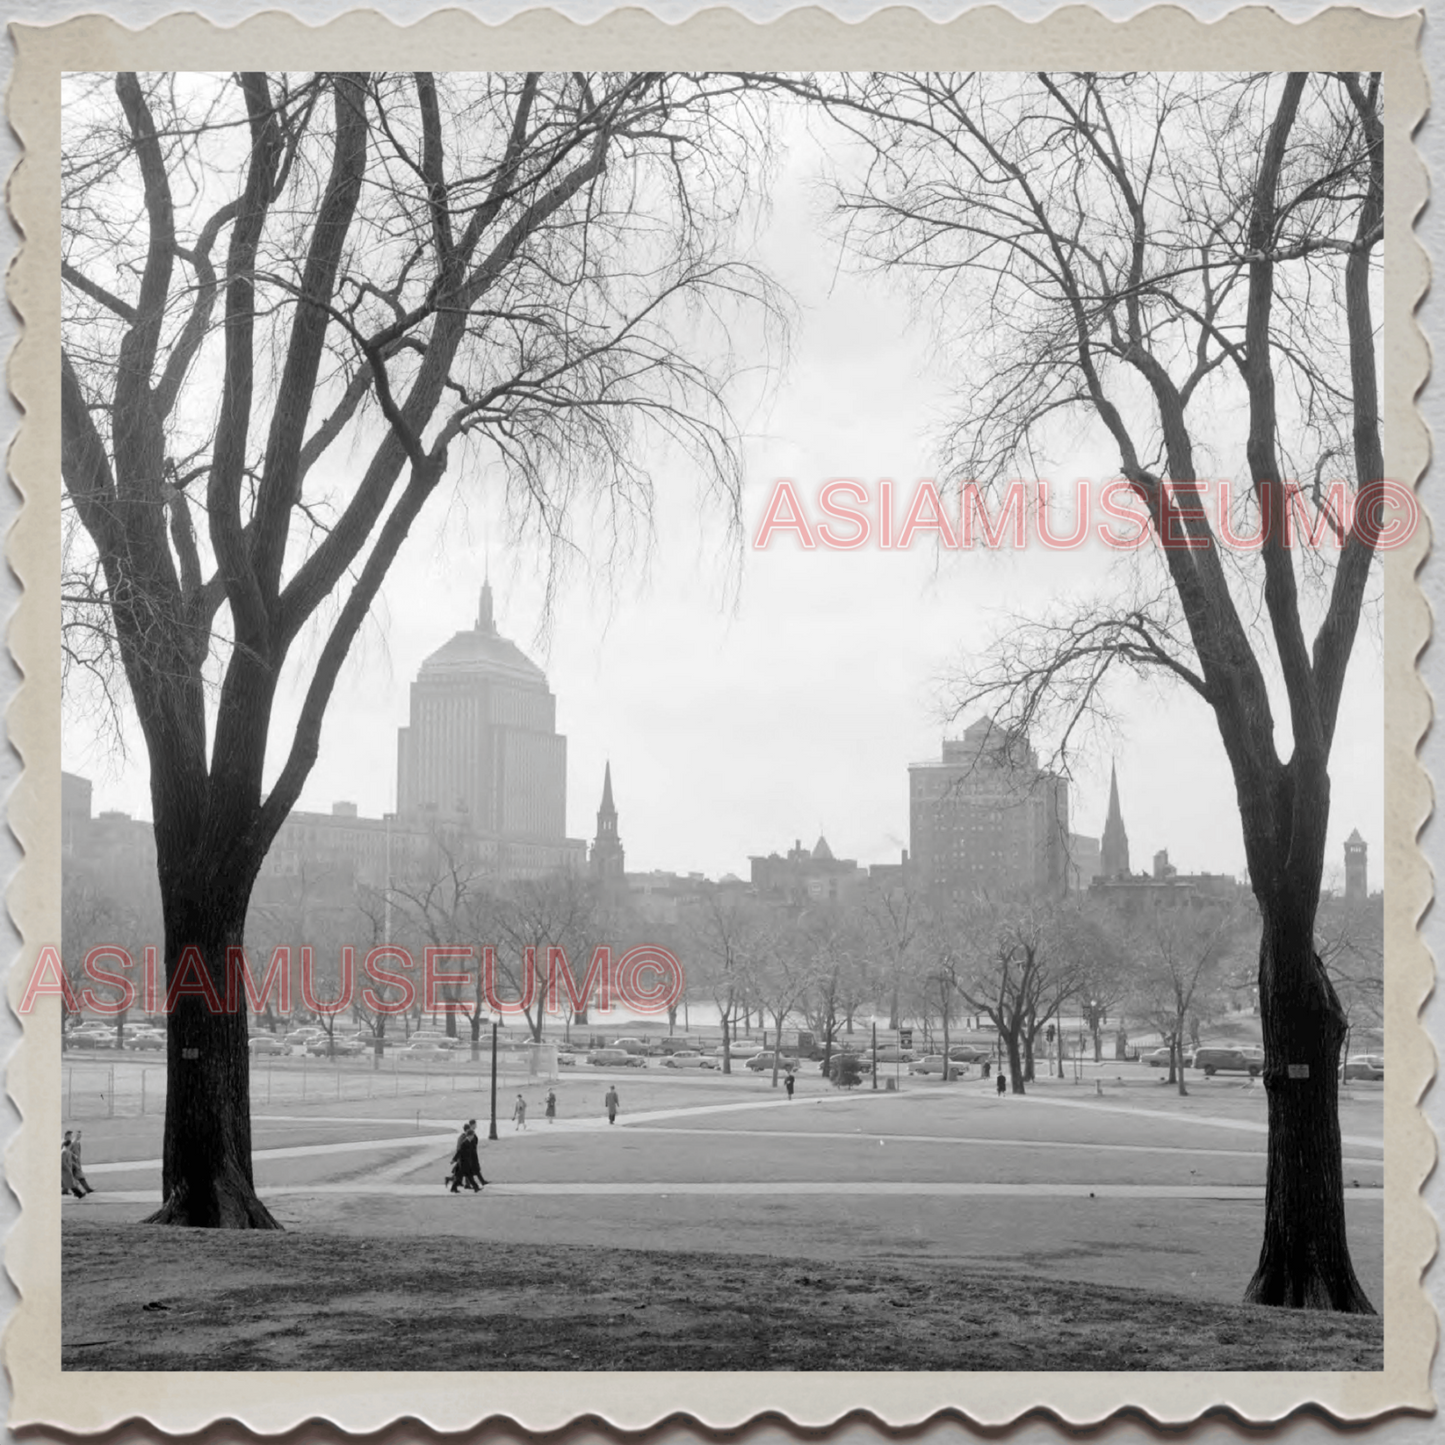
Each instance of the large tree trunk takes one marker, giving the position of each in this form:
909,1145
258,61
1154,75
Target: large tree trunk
1015,1064
206,1178
1305,1260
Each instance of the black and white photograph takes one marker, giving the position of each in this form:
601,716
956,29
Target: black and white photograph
724,721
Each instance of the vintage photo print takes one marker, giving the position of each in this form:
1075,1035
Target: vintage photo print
719,718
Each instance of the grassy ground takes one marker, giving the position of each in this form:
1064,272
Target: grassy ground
143,1298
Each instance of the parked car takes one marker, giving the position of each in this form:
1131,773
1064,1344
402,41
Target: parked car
892,1054
933,1064
302,1037
686,1059
339,1048
1365,1066
679,1045
441,1040
970,1053
1159,1058
268,1044
629,1046
1229,1059
93,1037
738,1048
762,1061
422,1051
567,1060
616,1059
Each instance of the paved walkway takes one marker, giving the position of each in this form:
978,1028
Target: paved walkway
969,1139
734,1190
649,1120
1215,1121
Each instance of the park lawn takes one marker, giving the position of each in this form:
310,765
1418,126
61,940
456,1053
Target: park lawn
263,1301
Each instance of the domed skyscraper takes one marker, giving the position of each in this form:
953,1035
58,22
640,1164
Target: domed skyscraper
482,751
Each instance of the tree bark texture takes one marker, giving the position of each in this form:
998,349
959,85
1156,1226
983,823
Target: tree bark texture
1304,1262
206,1176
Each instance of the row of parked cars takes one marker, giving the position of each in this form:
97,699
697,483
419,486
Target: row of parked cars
141,1037
312,1039
1249,1059
1213,1059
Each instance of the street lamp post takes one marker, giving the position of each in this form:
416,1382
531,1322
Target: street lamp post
875,1053
492,1132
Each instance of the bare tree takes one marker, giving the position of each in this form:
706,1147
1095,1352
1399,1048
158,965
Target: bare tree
724,930
1016,969
289,304
534,916
782,966
893,916
97,912
835,937
1188,266
1177,955
1352,946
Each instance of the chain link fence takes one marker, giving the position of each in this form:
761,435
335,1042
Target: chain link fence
129,1088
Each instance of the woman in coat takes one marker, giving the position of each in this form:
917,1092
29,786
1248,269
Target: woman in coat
75,1169
67,1171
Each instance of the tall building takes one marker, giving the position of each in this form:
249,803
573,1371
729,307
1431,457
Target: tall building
988,820
1083,862
1356,869
1114,845
607,856
482,748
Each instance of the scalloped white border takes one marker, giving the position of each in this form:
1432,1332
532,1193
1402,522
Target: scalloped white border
1161,38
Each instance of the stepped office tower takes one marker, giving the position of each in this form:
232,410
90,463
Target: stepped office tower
987,821
482,749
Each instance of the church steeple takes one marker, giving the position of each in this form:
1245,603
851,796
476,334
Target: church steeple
1114,846
607,855
485,621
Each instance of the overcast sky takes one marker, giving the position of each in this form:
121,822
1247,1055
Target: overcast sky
748,699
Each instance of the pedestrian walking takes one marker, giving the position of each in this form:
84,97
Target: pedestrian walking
551,1106
67,1170
75,1169
1002,1084
466,1165
613,1104
788,1082
519,1114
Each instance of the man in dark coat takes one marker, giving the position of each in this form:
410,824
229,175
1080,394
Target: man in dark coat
466,1166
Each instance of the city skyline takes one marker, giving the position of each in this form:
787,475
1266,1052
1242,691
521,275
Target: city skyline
746,698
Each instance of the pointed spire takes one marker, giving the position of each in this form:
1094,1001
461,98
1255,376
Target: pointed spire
1114,845
485,622
607,856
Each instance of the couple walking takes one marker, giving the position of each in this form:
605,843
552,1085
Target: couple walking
466,1166
72,1176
